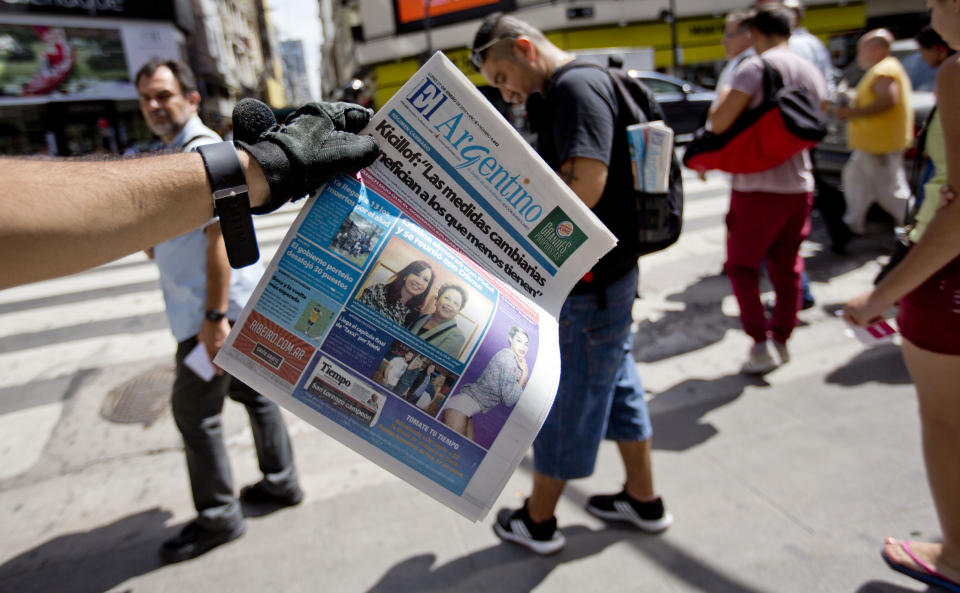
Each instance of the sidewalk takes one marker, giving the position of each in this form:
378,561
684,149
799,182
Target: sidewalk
779,485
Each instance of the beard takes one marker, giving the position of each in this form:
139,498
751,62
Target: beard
162,127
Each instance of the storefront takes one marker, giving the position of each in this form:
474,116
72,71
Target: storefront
698,41
66,68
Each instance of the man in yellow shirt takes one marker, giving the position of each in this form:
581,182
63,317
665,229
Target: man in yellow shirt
880,128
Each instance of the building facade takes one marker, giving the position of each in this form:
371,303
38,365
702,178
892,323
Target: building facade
67,67
65,72
227,56
684,35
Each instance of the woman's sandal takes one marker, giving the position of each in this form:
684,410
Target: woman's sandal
929,576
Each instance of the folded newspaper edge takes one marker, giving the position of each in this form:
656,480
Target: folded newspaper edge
651,149
411,313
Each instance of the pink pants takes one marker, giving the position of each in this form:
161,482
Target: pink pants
764,226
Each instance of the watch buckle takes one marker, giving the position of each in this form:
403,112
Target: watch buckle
229,192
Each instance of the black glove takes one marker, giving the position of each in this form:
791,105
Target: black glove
316,143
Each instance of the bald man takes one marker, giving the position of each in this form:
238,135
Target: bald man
880,129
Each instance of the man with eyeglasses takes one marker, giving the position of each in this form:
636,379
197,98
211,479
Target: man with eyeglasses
737,46
203,296
600,393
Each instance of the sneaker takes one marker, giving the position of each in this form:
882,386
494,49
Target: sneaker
782,353
195,540
262,493
770,305
517,527
840,236
760,361
648,516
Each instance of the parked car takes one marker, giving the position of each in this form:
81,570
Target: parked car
684,104
832,153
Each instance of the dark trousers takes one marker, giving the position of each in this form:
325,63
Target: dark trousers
196,409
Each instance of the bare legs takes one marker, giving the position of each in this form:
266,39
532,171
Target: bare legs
937,379
544,497
636,462
456,420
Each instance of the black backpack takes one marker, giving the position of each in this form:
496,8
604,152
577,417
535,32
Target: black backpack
659,217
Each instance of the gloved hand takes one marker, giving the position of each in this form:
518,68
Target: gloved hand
316,143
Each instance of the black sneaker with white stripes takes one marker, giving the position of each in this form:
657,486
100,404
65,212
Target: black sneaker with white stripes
517,527
648,516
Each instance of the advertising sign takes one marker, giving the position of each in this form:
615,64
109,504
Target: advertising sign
411,14
50,62
154,10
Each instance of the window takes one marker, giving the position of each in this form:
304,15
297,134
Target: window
660,87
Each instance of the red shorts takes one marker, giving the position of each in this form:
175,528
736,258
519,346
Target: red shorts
930,315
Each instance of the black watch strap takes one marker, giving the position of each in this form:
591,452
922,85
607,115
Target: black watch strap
231,202
214,315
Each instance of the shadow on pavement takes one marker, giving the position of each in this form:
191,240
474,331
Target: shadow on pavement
881,587
516,570
257,510
678,411
91,561
507,568
825,264
504,568
882,364
701,322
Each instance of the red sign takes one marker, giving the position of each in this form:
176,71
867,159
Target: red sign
273,347
409,11
411,14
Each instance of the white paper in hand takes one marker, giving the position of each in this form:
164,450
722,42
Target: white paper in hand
198,361
873,335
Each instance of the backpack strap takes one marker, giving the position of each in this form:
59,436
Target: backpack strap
198,137
919,163
645,100
772,81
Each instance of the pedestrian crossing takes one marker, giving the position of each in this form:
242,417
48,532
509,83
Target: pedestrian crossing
58,329
114,313
55,331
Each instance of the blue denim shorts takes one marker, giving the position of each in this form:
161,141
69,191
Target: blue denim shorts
600,393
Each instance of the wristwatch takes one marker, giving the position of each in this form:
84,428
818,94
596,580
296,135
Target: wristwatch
214,315
231,202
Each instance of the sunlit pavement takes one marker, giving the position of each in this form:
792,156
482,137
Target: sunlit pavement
780,485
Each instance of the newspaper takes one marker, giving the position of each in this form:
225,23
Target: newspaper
411,312
651,151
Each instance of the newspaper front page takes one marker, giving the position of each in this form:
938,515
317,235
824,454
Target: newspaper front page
411,312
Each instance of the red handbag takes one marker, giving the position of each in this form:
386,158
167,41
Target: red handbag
788,121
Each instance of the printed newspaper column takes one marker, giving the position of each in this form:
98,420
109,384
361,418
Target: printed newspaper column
411,313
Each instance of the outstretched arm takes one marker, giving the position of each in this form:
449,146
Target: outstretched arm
939,244
60,217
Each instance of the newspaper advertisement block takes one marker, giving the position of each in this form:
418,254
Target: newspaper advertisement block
410,313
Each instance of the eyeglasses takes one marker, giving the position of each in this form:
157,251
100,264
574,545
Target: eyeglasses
476,54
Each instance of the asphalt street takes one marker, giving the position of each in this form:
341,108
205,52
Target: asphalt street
782,484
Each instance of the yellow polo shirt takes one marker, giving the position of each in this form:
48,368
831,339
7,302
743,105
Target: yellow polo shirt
890,130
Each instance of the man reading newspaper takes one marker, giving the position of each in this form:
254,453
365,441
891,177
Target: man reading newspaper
600,393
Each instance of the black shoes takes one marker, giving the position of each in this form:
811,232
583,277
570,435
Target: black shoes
262,493
840,236
517,527
195,540
648,516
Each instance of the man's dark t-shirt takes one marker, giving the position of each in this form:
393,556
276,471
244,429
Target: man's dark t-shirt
578,117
